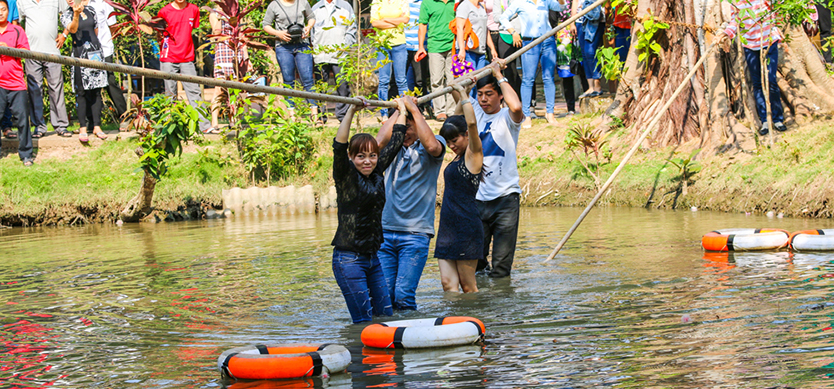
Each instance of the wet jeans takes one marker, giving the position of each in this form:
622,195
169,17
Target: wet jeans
500,218
754,66
403,256
363,285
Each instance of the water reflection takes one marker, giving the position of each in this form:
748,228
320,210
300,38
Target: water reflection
632,301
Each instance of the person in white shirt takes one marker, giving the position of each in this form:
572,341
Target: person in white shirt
335,25
105,37
498,194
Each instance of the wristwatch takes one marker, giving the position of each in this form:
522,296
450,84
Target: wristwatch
502,80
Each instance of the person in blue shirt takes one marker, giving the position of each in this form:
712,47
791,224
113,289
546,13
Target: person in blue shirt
6,121
589,34
535,23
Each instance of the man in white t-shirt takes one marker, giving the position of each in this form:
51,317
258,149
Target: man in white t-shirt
498,194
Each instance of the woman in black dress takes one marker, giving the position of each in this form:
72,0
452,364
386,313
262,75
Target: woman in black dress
360,194
460,236
80,20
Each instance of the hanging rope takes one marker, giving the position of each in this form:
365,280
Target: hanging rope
138,71
633,150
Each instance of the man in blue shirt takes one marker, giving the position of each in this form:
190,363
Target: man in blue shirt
410,201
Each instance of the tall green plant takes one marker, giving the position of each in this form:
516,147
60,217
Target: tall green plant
687,167
167,124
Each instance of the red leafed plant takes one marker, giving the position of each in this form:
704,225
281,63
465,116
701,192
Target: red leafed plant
138,21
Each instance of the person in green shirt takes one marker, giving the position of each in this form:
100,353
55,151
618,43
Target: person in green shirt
435,16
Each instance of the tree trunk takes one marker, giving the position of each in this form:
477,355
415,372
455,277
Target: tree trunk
716,108
140,206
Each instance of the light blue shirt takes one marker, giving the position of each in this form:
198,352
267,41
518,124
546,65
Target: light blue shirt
411,189
411,28
534,16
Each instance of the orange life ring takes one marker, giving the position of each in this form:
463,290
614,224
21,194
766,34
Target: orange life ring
741,239
812,240
424,333
277,361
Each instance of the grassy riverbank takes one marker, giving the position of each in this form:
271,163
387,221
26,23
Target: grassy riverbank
91,184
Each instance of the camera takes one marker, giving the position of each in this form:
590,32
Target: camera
296,31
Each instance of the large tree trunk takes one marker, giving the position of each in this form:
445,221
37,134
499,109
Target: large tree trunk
140,206
717,107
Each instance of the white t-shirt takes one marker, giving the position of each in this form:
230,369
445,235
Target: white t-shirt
499,138
104,21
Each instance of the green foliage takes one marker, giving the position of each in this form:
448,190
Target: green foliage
270,142
646,43
171,122
611,66
590,142
687,167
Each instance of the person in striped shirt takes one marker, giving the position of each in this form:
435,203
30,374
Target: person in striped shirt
758,25
417,73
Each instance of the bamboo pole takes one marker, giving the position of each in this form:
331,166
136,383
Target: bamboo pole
633,150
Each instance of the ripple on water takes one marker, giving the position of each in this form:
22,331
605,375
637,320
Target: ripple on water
631,301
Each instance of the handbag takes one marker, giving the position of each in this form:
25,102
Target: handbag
92,78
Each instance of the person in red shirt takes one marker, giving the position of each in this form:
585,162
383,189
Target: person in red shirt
176,54
622,28
13,93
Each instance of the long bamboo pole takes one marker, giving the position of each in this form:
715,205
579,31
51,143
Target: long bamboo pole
118,68
634,148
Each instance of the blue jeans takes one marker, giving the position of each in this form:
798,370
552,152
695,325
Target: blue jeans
589,51
478,61
403,256
363,285
292,57
399,59
622,42
546,52
755,69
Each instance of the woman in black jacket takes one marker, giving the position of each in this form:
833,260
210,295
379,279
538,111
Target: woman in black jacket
360,194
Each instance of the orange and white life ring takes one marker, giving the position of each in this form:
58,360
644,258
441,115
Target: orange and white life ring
745,239
813,240
424,333
276,361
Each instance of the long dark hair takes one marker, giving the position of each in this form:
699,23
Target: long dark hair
453,127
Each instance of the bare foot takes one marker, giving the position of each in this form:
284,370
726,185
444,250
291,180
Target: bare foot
527,123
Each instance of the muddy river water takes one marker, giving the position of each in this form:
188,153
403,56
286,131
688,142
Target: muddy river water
632,301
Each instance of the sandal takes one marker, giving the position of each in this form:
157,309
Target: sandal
9,134
63,133
37,135
83,138
100,134
28,163
212,130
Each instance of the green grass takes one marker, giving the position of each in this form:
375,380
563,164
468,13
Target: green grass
108,176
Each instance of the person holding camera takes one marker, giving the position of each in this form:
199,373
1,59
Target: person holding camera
176,54
290,21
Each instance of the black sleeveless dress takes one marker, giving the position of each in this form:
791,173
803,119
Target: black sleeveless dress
460,235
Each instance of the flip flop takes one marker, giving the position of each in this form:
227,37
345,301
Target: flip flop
211,130
9,134
63,133
101,135
28,163
83,138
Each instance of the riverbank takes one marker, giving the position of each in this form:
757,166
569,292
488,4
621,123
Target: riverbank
71,184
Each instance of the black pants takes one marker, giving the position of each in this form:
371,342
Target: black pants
17,101
825,28
570,93
419,71
114,90
500,218
504,50
342,88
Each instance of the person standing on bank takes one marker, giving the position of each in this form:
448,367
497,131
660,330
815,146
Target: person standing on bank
358,166
80,21
40,19
498,194
535,21
105,37
177,52
435,38
410,201
13,85
460,236
502,40
474,11
389,17
589,31
335,25
291,22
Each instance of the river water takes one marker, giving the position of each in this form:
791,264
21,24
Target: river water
632,301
